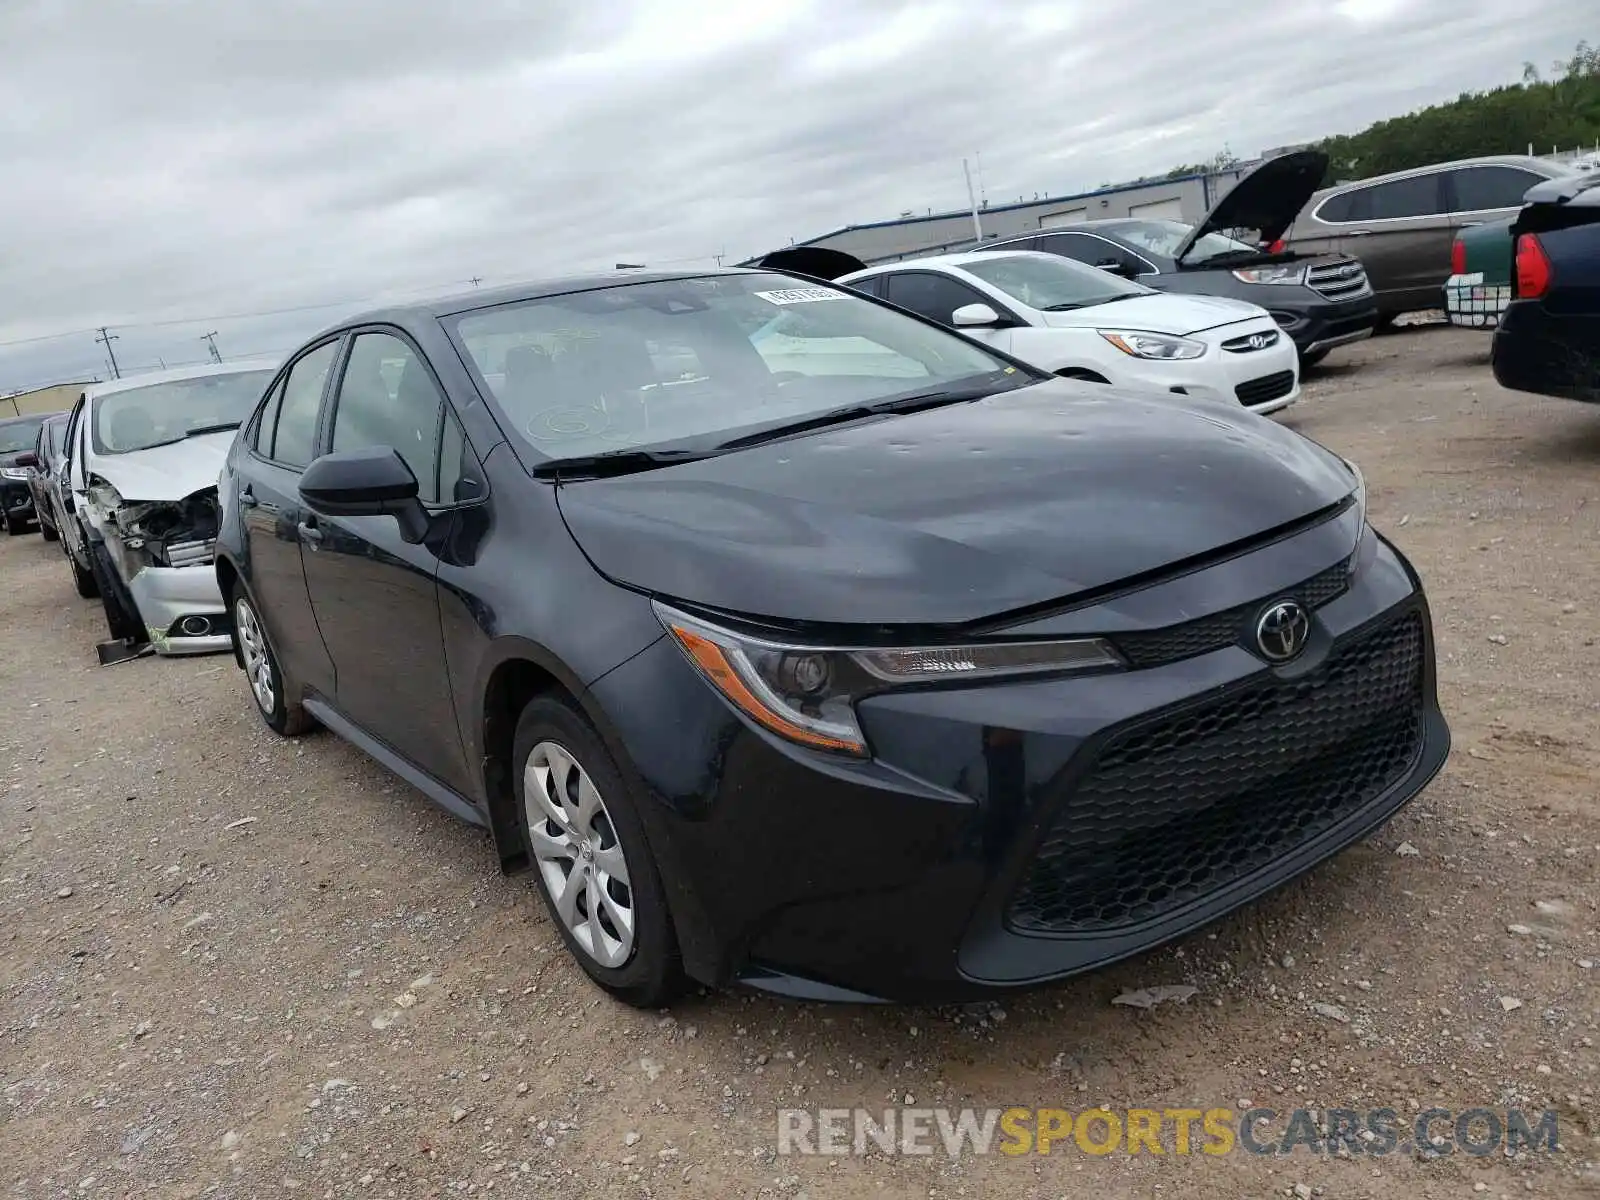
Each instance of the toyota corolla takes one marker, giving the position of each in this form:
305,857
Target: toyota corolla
840,656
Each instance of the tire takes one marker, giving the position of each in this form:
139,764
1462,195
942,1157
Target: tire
268,686
48,532
1312,359
83,580
607,842
5,523
122,614
1385,324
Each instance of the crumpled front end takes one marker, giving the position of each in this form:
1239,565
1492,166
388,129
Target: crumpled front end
163,551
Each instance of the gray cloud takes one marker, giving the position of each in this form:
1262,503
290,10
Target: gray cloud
179,159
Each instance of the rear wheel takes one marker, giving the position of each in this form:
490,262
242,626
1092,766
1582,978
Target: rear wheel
283,716
580,823
122,614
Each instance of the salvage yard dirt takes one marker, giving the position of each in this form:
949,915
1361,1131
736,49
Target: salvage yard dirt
241,967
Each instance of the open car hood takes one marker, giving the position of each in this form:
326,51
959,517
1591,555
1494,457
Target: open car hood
170,472
1267,200
815,262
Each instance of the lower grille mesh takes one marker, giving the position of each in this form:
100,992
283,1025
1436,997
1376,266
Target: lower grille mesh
1180,807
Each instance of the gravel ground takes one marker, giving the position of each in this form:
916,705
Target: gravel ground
236,966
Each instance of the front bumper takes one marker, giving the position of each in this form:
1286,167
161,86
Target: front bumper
1264,381
1316,325
167,597
16,498
908,878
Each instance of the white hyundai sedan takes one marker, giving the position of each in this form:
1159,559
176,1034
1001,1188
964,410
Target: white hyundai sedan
1083,323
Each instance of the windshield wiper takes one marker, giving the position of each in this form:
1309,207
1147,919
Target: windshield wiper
220,427
614,462
860,412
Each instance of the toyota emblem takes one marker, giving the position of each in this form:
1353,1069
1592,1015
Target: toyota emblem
1282,630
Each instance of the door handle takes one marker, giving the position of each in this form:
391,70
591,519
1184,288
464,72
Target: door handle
309,533
1358,233
247,499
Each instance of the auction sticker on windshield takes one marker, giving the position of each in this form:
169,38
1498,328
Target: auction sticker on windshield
803,295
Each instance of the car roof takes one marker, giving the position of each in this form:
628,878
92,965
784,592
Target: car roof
461,302
128,382
957,260
1538,165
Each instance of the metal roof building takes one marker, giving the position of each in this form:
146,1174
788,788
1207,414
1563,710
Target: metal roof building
1184,198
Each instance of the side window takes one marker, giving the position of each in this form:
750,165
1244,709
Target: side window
294,432
261,438
1418,196
460,478
1479,188
387,398
1338,208
932,296
1076,246
871,286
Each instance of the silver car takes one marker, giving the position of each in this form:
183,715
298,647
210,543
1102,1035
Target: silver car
1401,225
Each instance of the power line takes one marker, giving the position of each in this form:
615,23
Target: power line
107,339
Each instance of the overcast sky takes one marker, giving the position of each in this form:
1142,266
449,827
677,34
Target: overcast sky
168,160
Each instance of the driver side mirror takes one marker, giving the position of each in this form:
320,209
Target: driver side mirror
27,460
1118,266
370,482
973,316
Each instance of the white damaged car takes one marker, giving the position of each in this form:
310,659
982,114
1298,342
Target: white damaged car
144,456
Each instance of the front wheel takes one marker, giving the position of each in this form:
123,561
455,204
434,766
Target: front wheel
122,614
581,827
1312,358
283,716
49,532
82,578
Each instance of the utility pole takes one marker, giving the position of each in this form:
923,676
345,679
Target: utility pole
210,339
106,339
977,225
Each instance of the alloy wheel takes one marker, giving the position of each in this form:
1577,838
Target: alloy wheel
578,855
257,663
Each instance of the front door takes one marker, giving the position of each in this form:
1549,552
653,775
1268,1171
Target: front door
271,513
375,595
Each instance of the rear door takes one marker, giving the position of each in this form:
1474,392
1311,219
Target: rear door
282,444
1097,251
375,595
1401,232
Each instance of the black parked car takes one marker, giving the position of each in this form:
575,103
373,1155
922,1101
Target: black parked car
47,481
1548,339
18,436
1319,300
795,640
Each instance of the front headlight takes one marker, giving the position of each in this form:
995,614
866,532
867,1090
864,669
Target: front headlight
807,693
14,472
1152,345
1291,274
1360,495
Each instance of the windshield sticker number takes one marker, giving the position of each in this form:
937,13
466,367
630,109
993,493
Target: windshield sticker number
804,295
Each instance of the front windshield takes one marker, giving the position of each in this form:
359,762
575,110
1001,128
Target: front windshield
1166,237
644,364
1049,282
19,436
169,412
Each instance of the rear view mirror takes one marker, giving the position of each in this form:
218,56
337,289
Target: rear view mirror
366,483
971,315
27,460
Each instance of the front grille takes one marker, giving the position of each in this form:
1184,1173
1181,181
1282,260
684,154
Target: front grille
1245,343
1155,647
1185,804
1268,387
1342,279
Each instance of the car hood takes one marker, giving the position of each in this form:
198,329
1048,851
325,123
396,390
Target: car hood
1160,312
1268,199
955,514
170,472
8,458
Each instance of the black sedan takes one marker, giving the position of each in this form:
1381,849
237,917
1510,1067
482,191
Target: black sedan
1548,339
796,641
1320,300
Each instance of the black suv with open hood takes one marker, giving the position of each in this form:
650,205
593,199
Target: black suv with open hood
1321,301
